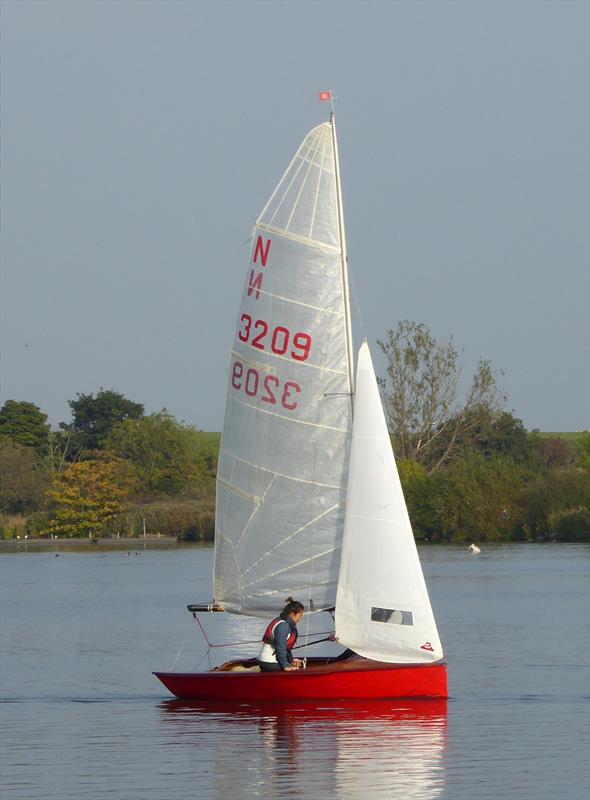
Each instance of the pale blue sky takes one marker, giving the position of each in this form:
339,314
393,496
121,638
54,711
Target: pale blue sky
141,139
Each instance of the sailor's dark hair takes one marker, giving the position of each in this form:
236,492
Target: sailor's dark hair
291,607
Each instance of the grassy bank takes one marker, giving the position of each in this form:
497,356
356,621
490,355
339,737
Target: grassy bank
572,437
88,545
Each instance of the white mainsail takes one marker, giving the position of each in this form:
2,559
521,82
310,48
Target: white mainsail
382,607
281,480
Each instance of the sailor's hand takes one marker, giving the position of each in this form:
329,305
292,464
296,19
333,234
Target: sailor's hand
297,662
290,668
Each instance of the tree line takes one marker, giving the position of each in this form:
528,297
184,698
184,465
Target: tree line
111,471
469,468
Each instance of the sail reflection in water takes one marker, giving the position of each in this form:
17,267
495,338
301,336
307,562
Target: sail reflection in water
388,749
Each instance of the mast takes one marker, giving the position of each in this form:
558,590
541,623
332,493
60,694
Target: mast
344,259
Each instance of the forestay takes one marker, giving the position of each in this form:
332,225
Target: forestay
283,463
382,608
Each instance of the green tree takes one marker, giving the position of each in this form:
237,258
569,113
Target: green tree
570,524
584,451
549,495
24,423
420,489
95,417
421,394
481,497
475,497
23,478
166,453
484,493
87,494
491,432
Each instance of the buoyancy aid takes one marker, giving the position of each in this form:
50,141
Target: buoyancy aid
268,651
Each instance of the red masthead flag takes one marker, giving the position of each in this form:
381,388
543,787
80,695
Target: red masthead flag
325,95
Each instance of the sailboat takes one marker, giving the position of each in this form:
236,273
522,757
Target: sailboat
309,502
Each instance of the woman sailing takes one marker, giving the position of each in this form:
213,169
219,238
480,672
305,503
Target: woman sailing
279,639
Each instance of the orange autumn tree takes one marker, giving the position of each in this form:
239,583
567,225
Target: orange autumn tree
88,493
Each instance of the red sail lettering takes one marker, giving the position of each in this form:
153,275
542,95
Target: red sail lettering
261,250
255,284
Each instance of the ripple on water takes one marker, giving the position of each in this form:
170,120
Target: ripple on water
84,718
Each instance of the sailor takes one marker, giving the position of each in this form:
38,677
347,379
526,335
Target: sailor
279,639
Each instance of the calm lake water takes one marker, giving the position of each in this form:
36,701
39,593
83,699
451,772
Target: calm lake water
82,716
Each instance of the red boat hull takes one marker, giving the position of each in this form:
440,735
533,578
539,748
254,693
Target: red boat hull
339,681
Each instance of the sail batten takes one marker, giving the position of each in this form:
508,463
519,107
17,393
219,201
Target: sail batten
304,305
308,240
290,421
310,164
288,409
307,365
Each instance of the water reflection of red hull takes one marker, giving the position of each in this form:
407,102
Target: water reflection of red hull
394,709
320,681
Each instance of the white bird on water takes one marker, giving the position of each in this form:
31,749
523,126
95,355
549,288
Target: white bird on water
473,548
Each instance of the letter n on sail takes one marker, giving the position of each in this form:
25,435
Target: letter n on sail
255,280
255,284
261,250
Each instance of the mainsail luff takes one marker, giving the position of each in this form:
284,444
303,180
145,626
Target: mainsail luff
284,456
344,260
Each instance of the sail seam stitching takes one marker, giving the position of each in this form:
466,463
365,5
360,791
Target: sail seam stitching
301,303
323,127
281,543
317,192
246,495
287,419
272,369
330,248
311,163
256,510
292,181
290,567
279,474
278,186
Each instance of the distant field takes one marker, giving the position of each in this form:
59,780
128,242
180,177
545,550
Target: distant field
210,440
568,436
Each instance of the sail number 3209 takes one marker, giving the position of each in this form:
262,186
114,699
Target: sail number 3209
267,388
278,340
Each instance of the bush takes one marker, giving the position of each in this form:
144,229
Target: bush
473,498
555,492
23,478
37,524
12,526
570,525
185,519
